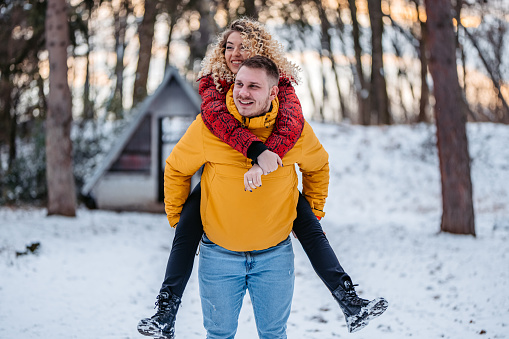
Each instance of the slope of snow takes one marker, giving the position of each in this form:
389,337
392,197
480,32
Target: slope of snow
96,275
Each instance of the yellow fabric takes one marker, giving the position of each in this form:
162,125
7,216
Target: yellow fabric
233,218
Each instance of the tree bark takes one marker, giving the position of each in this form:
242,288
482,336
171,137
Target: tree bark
120,17
59,174
458,211
424,100
6,118
146,37
361,85
327,49
174,10
379,98
251,10
199,42
171,23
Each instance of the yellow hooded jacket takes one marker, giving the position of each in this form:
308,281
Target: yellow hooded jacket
233,218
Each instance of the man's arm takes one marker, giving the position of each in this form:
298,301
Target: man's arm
286,132
221,123
185,159
314,165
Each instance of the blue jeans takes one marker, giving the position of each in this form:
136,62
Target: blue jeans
226,275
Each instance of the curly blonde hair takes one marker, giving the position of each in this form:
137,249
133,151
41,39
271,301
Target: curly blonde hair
255,39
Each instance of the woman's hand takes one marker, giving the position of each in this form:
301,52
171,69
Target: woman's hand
269,161
253,178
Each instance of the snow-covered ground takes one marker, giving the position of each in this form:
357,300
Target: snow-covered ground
96,275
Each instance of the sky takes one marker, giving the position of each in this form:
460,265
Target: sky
97,275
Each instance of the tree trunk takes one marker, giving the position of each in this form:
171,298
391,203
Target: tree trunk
171,23
340,28
59,174
379,98
424,100
174,10
7,120
458,211
88,105
146,37
327,49
361,84
250,7
305,71
120,16
199,42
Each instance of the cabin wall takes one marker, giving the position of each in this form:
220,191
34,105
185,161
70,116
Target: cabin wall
119,191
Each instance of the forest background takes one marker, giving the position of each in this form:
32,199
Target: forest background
363,62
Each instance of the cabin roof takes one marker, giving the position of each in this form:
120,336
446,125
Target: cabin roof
160,103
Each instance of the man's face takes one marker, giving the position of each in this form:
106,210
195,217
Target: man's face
252,92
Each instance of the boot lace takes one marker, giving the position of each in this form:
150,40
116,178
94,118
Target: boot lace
352,296
162,304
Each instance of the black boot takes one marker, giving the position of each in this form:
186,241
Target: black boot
358,312
162,324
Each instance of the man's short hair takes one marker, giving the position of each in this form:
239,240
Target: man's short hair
261,62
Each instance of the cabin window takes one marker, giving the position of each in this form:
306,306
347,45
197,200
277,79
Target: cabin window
135,157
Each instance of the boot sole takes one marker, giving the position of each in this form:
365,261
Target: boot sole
373,310
146,328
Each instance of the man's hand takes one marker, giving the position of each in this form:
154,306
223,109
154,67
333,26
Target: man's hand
253,178
269,161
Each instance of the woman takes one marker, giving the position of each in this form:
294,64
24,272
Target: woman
245,38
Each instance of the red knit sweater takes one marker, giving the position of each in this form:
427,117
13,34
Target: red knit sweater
287,129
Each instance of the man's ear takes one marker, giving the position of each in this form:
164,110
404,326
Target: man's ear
273,92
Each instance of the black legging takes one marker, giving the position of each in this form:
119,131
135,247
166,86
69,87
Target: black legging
190,229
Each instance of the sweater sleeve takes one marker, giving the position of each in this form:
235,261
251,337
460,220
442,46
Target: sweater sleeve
221,123
286,132
289,120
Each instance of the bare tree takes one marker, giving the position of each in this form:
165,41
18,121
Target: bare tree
146,37
379,98
340,30
120,15
458,211
250,9
19,69
174,10
7,120
424,99
361,85
61,186
491,68
200,39
326,50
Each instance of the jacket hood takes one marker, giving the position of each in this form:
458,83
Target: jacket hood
266,120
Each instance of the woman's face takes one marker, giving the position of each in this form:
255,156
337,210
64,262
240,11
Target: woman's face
235,53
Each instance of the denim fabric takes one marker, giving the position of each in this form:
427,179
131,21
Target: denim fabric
225,276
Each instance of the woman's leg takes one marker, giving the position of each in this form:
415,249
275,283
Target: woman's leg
314,242
358,312
185,243
178,270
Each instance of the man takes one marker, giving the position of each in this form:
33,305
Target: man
246,244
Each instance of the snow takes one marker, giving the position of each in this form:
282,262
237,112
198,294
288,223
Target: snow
96,275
